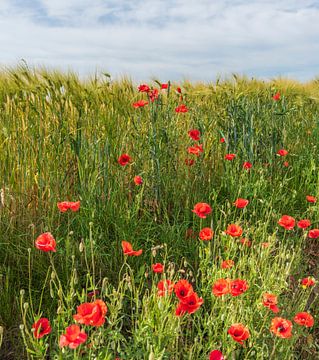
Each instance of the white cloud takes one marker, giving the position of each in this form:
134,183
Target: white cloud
169,39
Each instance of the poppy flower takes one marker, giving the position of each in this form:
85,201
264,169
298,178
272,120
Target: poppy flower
221,287
68,205
143,88
304,319
189,162
227,264
282,152
190,304
45,242
241,203
128,249
164,86
234,230
222,140
93,293
202,210
245,242
287,222
276,97
216,355
138,180
91,313
238,287
311,199
158,268
303,224
247,165
183,289
124,159
179,90
41,327
286,163
206,234
265,245
196,150
165,287
281,327
140,103
270,301
181,109
313,234
194,134
308,282
153,94
73,337
230,156
239,333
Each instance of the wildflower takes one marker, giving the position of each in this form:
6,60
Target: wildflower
73,337
216,355
245,242
164,86
194,134
189,162
241,203
202,210
304,319
128,249
124,159
140,103
153,94
41,327
206,234
238,287
158,268
190,304
143,88
227,264
222,140
286,163
303,224
239,333
179,90
183,289
247,165
138,180
270,301
181,109
265,245
276,97
68,205
234,230
287,222
308,282
313,234
281,327
230,156
311,199
196,150
45,242
282,152
221,287
165,287
91,313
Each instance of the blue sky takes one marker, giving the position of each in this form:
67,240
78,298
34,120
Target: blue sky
171,40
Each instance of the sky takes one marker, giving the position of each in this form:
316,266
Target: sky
169,40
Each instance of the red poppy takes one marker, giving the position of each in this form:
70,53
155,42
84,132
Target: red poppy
311,199
313,234
206,234
281,327
189,162
165,287
181,109
153,94
245,242
138,180
91,313
41,327
304,319
270,301
202,210
282,152
222,140
241,203
308,282
128,249
303,224
124,159
230,156
216,355
194,134
190,304
221,287
179,90
276,97
46,242
287,222
73,337
234,230
143,88
93,293
265,245
227,264
158,268
183,289
164,86
238,287
196,150
247,165
286,163
66,205
140,103
239,333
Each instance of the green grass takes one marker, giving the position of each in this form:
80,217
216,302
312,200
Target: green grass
60,139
